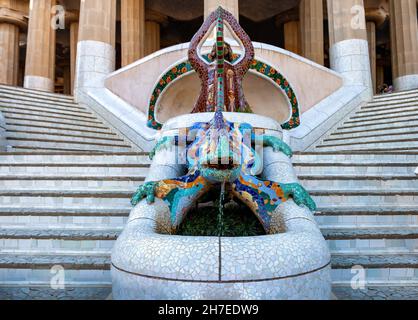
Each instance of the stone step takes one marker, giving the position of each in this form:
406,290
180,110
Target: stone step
68,232
362,198
367,192
367,221
380,112
69,182
75,159
368,210
35,93
378,135
65,145
371,246
66,200
40,120
375,128
395,95
74,261
43,104
19,124
383,119
50,245
103,219
60,211
346,233
48,115
389,103
413,114
358,182
377,125
18,108
389,107
114,141
358,158
74,169
407,145
375,261
72,139
325,169
23,131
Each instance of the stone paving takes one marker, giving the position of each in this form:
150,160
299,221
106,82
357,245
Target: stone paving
42,293
377,293
103,293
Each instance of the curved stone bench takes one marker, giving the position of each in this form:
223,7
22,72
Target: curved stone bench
149,265
292,263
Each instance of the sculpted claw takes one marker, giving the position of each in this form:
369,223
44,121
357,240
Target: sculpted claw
299,194
147,191
277,145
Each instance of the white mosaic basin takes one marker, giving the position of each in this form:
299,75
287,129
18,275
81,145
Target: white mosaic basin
293,263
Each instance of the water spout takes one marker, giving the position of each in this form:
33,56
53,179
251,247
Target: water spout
221,210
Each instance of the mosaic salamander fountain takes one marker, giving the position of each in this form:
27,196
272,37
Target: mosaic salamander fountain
221,145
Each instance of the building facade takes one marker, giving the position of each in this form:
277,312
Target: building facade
41,41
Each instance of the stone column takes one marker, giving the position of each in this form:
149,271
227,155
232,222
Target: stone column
349,50
40,52
12,19
133,30
292,41
371,38
96,43
9,54
230,5
73,52
404,38
311,15
152,37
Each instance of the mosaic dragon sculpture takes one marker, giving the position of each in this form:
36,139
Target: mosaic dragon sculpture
220,151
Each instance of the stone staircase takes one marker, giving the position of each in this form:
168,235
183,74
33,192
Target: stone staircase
389,122
66,208
368,212
63,209
40,121
64,189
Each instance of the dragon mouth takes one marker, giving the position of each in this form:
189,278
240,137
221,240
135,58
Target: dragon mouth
221,166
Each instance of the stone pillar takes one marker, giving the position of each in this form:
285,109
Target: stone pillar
404,38
133,30
152,37
9,54
73,52
311,15
292,41
371,38
349,50
96,43
12,19
230,5
40,52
